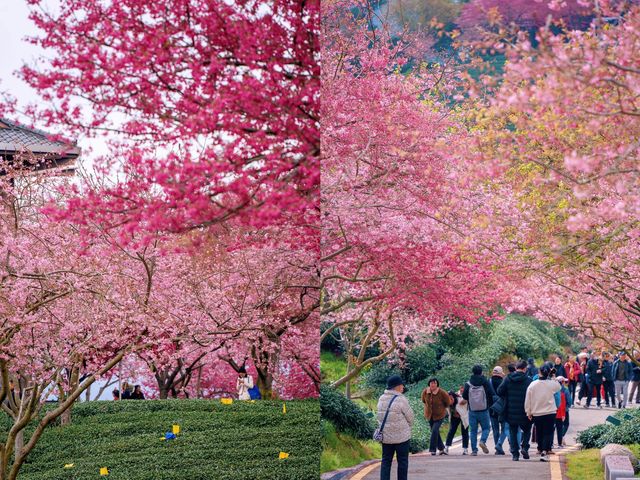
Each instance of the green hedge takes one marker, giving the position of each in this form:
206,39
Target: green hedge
628,432
345,415
242,440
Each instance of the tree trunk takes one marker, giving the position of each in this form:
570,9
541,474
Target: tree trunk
163,392
265,383
65,418
19,443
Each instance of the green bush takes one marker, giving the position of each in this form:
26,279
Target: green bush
376,376
224,442
590,438
345,415
421,362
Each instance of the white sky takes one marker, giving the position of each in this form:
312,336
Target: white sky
15,51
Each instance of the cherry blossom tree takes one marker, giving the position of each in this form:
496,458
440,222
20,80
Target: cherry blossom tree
211,111
559,140
392,265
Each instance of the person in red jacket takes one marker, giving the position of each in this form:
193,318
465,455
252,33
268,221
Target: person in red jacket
572,371
563,410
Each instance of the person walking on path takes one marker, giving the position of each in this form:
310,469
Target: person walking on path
607,380
532,370
563,400
583,359
595,377
559,367
514,389
572,371
436,401
499,426
622,372
397,428
635,382
479,394
459,416
540,405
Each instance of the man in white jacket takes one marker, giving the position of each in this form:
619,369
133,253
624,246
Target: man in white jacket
540,405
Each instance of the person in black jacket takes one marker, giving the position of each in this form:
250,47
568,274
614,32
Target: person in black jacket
607,380
635,382
595,377
498,424
559,367
532,370
514,390
478,414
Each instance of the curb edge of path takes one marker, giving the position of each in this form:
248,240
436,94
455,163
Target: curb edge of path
352,472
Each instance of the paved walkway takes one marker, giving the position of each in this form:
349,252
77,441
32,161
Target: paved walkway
492,466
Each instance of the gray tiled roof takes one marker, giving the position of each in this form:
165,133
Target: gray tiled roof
14,137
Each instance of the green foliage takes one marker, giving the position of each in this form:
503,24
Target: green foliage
224,442
420,363
584,465
590,438
345,415
376,376
628,432
332,367
340,450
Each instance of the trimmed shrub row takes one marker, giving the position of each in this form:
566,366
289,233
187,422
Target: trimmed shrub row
344,414
242,440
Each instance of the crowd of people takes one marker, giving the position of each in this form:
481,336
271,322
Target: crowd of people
128,393
528,404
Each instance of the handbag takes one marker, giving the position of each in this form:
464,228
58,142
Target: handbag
377,435
498,406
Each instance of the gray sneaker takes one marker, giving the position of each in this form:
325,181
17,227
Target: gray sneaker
474,453
483,446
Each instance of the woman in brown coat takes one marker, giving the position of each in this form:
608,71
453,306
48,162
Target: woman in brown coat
436,401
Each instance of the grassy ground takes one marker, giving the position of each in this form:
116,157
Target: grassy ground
216,441
341,451
585,464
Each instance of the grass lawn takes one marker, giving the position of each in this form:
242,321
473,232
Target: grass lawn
585,464
216,441
341,451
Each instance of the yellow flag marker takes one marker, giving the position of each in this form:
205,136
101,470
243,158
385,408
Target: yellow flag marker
104,472
283,455
252,401
284,408
226,401
69,465
176,429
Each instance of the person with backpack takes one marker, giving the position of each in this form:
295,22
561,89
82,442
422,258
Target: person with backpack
622,373
595,377
513,390
459,416
540,405
479,393
436,402
244,383
563,401
395,418
532,370
499,426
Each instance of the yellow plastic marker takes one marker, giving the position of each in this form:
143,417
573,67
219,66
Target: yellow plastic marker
226,401
284,408
69,465
104,472
283,455
252,401
176,429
